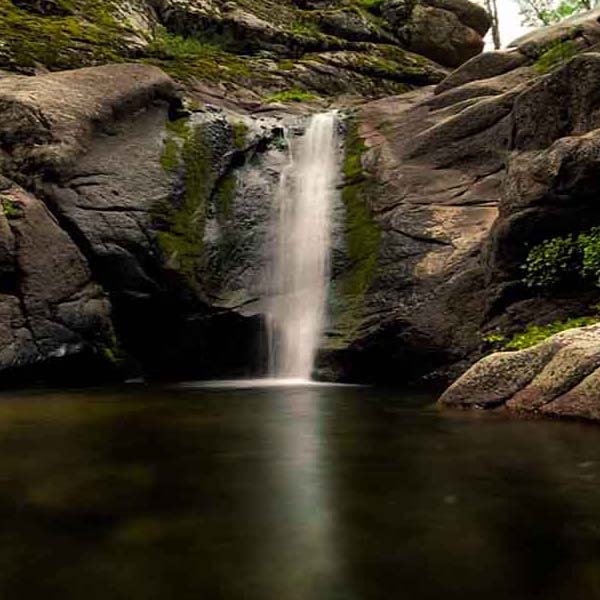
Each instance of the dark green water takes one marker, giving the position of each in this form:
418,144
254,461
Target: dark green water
322,493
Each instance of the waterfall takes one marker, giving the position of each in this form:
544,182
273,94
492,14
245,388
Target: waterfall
300,277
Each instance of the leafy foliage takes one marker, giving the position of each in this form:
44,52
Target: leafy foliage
589,246
534,334
563,260
546,12
552,262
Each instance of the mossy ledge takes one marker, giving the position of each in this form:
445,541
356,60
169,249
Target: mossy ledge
362,235
282,63
187,150
84,33
202,154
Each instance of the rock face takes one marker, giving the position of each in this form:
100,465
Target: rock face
249,50
433,170
440,34
559,377
148,192
161,212
162,201
55,321
461,181
53,308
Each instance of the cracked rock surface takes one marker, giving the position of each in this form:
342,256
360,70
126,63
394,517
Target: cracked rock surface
559,377
52,311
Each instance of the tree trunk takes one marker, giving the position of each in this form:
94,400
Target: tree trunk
492,8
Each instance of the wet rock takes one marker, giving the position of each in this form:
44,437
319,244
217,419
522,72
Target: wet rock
54,316
556,377
422,294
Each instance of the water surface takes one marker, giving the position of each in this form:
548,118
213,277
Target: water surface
293,493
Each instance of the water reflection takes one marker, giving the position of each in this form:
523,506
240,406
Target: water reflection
290,494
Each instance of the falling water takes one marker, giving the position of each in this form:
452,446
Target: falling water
300,276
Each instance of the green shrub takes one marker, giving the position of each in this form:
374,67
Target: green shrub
589,246
562,260
534,334
550,263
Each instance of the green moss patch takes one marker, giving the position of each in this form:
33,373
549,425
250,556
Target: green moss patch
555,56
362,233
10,208
239,131
373,6
224,197
186,149
292,95
87,35
188,152
80,33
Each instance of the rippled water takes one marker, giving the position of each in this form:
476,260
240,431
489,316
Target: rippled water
303,493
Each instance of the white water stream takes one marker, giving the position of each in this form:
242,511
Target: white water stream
300,277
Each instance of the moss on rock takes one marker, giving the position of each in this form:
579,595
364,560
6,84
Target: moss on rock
292,95
10,208
362,234
239,131
555,56
224,197
86,34
186,149
211,47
